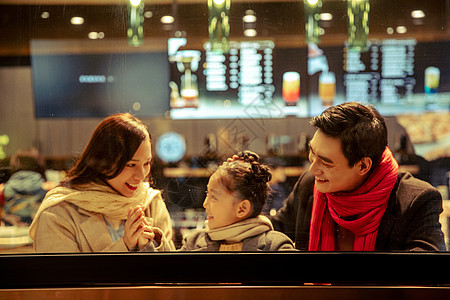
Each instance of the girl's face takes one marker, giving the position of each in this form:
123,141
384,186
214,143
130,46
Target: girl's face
221,206
135,171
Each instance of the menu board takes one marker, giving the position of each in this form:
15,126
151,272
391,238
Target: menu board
239,83
257,79
249,71
385,72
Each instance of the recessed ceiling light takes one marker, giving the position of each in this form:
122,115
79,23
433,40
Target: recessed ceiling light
390,30
417,14
249,18
401,29
93,35
135,2
326,16
250,32
77,20
167,19
96,35
148,14
45,15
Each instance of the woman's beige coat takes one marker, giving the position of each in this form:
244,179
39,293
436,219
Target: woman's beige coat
66,227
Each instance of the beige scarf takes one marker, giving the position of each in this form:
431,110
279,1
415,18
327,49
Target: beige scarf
96,198
239,231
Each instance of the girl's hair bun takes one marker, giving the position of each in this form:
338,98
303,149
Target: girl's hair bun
261,173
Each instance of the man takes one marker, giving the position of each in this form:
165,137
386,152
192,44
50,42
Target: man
354,197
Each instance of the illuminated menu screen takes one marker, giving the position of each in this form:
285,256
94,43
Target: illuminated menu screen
245,82
247,69
385,72
257,79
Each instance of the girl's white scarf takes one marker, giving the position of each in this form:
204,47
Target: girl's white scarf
239,231
96,198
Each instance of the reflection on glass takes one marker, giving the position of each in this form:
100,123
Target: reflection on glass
135,30
312,18
358,24
218,25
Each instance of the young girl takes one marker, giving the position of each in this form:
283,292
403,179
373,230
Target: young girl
106,204
236,194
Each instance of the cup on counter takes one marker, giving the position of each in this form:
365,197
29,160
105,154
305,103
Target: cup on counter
291,88
327,88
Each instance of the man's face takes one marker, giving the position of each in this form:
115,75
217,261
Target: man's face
330,166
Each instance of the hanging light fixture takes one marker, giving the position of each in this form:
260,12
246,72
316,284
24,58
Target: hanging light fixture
313,9
219,25
135,30
358,24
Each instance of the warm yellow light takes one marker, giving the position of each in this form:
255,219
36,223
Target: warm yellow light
135,2
418,14
326,16
249,18
167,19
218,2
250,32
45,15
77,20
312,2
401,29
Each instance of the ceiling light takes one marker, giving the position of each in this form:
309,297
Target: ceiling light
250,32
401,29
93,35
135,2
418,14
45,15
148,14
167,19
390,30
96,35
326,16
77,20
249,18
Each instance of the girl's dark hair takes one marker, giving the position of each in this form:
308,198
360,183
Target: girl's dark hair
112,145
248,178
360,128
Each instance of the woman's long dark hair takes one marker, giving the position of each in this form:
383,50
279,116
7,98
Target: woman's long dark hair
112,145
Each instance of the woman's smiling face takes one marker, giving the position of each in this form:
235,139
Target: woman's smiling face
134,172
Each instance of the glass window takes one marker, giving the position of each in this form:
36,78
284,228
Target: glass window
212,78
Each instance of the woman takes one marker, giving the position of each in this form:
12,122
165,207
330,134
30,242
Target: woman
106,204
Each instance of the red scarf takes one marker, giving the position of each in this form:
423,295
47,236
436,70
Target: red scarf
366,205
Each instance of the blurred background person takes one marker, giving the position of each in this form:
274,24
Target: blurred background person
25,189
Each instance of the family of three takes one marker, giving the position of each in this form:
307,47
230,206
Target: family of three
352,198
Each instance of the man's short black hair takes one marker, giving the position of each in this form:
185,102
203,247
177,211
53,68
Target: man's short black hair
360,128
